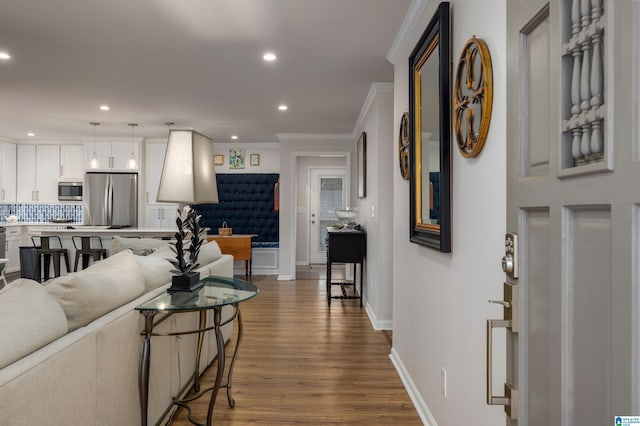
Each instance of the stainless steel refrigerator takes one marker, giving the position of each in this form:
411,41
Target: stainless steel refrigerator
110,199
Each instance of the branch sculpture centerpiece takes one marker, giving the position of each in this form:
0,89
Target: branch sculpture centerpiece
189,239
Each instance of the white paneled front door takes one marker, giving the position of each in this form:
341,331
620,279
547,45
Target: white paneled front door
573,200
327,193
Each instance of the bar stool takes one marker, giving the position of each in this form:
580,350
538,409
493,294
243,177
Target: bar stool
88,247
50,249
3,266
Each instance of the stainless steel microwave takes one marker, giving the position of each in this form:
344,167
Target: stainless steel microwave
70,191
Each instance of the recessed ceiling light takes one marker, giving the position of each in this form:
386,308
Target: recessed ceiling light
105,107
269,56
31,134
5,55
234,137
283,107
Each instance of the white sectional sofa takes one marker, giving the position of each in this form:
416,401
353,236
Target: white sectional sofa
74,369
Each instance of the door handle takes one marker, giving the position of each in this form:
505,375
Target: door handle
510,306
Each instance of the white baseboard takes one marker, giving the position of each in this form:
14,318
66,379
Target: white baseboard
412,390
285,277
375,322
302,263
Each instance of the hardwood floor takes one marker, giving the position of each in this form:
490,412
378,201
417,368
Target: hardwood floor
301,362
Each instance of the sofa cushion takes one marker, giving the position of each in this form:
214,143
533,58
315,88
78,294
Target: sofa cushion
156,270
27,326
139,246
105,285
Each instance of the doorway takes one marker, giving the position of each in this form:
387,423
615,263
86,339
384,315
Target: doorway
327,193
303,164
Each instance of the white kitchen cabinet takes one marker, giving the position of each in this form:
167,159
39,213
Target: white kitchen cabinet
112,155
47,173
37,174
12,249
8,174
26,176
153,161
161,216
72,162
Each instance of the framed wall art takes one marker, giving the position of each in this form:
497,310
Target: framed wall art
473,97
361,158
236,158
403,146
218,159
254,159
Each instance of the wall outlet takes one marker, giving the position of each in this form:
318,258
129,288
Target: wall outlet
443,381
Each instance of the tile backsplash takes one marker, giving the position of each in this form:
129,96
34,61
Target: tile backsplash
41,213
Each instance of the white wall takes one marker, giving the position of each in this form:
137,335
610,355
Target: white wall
269,157
440,303
376,210
292,147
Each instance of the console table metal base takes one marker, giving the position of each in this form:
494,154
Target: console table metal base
356,294
145,358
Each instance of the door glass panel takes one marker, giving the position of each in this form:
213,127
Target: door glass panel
331,197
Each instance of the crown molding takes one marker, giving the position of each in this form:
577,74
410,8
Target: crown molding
402,36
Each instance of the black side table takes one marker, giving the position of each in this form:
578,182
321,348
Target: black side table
345,246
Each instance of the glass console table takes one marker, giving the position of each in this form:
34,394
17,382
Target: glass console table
216,293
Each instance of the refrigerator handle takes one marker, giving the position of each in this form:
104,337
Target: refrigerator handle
108,199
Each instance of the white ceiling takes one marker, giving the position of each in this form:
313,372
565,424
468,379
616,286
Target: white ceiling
197,63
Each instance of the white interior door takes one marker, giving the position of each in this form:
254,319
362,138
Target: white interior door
572,198
327,193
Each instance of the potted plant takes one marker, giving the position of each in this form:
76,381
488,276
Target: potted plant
189,238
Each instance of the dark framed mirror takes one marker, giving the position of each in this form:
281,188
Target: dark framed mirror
430,135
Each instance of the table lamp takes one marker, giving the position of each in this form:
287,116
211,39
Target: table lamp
188,177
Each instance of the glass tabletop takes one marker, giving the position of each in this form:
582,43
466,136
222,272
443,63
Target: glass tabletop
217,291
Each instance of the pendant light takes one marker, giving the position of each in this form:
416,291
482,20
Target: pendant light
131,164
93,164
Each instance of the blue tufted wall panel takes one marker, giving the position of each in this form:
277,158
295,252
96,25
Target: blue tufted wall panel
246,204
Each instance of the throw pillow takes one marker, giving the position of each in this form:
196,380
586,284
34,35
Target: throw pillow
208,253
102,287
30,318
156,270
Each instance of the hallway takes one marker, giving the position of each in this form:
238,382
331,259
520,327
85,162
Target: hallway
301,363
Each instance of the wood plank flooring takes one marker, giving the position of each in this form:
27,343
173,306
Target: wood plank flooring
301,362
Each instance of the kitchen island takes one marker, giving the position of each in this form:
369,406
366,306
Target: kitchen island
20,233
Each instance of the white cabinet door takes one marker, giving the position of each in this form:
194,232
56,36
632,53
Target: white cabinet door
13,254
153,220
121,153
102,151
154,159
72,162
8,175
26,175
37,173
12,244
47,173
112,155
161,216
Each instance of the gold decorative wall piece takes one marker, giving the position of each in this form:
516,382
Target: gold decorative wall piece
473,97
403,146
